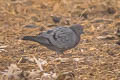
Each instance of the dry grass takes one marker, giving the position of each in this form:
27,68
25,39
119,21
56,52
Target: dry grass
97,57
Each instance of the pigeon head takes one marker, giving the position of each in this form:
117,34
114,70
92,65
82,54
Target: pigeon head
77,28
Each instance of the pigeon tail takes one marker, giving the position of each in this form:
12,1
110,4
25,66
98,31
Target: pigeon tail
41,40
31,38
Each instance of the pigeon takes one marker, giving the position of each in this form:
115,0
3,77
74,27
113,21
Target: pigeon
60,38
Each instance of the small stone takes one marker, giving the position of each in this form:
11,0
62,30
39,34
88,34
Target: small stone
111,10
56,19
118,32
118,42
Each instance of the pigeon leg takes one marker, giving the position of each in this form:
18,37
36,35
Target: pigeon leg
57,54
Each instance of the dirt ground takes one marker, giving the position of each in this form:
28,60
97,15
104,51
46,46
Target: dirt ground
97,57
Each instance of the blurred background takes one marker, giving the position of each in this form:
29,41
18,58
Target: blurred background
98,54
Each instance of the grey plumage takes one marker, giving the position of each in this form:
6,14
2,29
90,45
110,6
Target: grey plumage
59,39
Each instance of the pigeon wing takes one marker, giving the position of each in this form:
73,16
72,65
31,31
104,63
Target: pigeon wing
64,38
45,37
